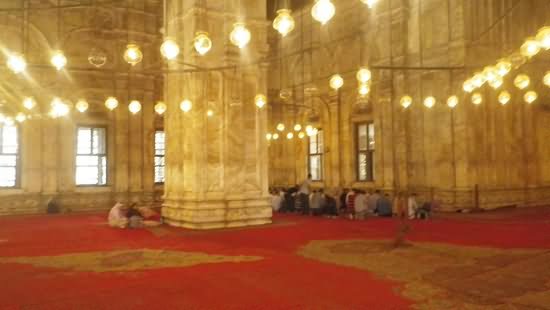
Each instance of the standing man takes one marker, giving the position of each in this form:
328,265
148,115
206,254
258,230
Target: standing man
303,194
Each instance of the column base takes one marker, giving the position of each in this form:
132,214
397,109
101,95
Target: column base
216,214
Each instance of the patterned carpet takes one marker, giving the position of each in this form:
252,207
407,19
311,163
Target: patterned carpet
495,260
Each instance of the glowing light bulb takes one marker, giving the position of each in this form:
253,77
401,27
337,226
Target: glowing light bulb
29,103
503,67
530,97
530,48
209,113
496,83
186,105
169,49
58,60
301,135
522,81
477,98
478,80
363,75
370,3
16,63
309,128
491,74
336,81
406,101
82,105
260,100
58,108
133,54
8,121
275,136
240,35
284,23
111,103
297,127
202,42
546,79
268,136
429,102
452,102
160,107
289,135
134,106
281,127
543,36
468,86
364,89
20,117
323,11
504,97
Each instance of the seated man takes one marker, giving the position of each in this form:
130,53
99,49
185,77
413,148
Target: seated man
118,216
361,205
425,211
384,206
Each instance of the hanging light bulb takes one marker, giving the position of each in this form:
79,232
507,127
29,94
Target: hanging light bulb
530,96
58,108
20,117
543,37
336,81
240,35
406,101
29,103
323,11
133,54
478,80
284,23
301,135
370,3
468,86
491,74
81,105
169,49
134,106
268,136
429,102
58,60
281,127
364,75
504,97
452,102
546,79
186,105
202,42
289,135
522,81
530,48
477,98
496,83
16,63
260,100
275,136
503,66
309,128
160,107
297,127
111,103
209,113
364,89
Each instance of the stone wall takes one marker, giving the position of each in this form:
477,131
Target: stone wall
488,155
47,165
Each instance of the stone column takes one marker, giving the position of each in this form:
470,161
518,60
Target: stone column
216,166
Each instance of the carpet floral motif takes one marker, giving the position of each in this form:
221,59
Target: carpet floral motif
441,276
125,261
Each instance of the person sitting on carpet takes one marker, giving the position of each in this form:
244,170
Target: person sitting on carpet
412,205
361,207
316,203
118,216
384,206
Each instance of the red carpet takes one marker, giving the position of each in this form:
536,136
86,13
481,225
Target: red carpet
280,280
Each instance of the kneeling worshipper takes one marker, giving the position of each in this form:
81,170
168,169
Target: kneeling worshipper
118,216
384,206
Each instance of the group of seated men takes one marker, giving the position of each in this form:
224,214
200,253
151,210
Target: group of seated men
354,203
